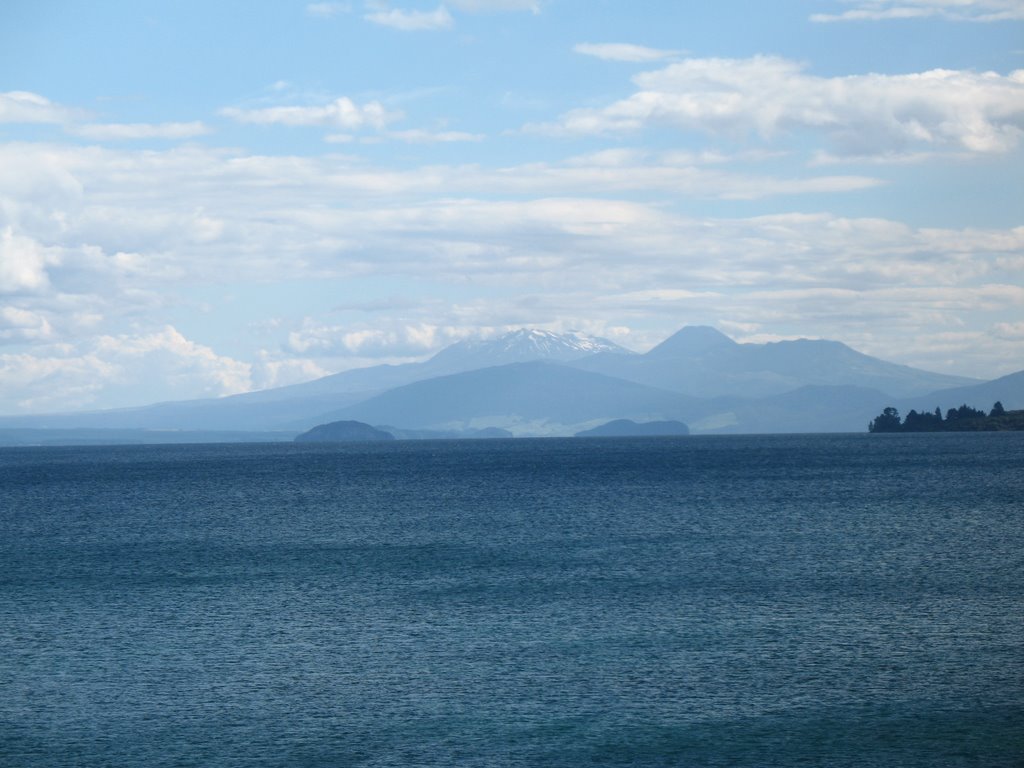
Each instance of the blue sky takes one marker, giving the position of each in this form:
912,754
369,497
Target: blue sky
198,199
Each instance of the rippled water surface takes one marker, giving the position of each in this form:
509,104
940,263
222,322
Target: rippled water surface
846,600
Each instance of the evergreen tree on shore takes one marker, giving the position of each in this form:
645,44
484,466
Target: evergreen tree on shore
962,419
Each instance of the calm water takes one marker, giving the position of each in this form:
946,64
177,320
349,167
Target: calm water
745,601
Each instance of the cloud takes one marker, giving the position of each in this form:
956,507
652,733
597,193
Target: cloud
1010,331
769,96
327,10
623,52
27,107
268,372
118,370
336,340
131,131
412,21
952,10
388,340
23,325
23,263
340,113
93,237
417,136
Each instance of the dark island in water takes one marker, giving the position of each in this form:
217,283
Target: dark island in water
962,419
343,432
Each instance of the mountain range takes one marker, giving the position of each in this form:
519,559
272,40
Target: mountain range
533,382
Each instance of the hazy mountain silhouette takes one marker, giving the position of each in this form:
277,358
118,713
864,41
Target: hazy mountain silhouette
698,375
1009,390
301,406
703,362
528,398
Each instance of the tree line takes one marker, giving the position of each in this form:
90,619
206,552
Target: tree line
962,419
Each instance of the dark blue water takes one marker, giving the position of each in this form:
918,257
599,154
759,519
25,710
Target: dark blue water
745,601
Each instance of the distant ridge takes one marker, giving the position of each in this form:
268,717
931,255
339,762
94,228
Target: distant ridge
692,340
528,398
567,383
702,362
1009,390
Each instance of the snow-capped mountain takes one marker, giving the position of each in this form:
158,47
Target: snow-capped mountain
522,346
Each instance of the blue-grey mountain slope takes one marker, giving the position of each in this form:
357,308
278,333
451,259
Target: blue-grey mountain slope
807,409
842,409
537,398
702,362
780,387
1009,390
300,406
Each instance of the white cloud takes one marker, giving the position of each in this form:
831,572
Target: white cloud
623,52
27,107
412,21
268,372
399,341
340,113
23,263
390,340
418,136
112,371
953,10
23,325
860,114
131,131
93,237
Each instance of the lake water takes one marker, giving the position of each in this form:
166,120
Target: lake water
843,600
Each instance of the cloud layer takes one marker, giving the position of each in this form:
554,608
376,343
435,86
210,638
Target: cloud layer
952,10
377,194
770,96
560,245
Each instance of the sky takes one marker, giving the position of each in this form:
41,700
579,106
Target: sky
200,199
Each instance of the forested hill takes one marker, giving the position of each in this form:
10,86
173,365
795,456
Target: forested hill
962,419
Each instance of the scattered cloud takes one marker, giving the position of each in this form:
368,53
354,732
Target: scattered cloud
409,341
952,10
131,131
412,21
111,371
1010,331
860,115
268,371
418,136
27,107
23,263
624,52
340,113
23,325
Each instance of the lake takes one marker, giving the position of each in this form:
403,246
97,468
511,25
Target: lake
840,600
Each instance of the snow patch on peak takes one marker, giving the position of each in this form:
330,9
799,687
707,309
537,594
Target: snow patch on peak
525,345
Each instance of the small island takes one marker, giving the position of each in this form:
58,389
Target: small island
962,419
628,428
343,432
